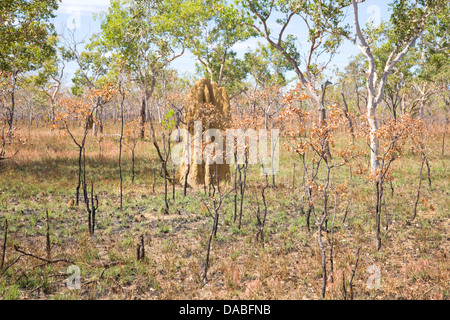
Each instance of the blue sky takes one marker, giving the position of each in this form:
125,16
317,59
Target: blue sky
79,14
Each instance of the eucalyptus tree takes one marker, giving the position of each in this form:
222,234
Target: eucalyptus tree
49,81
402,73
27,40
215,29
31,101
272,20
267,66
434,59
408,21
430,73
436,36
93,72
353,83
435,63
145,34
234,76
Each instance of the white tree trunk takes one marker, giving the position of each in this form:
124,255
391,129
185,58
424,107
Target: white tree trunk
374,143
375,87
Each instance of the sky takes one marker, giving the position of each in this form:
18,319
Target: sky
78,15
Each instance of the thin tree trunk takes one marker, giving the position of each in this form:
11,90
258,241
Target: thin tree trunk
350,122
429,174
186,178
80,155
322,249
350,284
13,104
100,119
419,187
222,68
132,164
164,163
205,270
120,151
30,121
48,245
443,136
5,238
235,187
293,174
173,181
143,117
379,187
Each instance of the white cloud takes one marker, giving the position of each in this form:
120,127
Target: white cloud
83,7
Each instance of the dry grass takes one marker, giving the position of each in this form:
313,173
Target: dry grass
413,259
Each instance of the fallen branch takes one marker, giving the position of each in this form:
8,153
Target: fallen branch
39,258
10,265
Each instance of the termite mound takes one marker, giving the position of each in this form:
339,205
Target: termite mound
210,105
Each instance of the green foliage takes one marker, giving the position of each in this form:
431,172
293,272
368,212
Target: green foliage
406,17
267,66
322,21
137,38
169,120
234,75
435,47
216,29
27,36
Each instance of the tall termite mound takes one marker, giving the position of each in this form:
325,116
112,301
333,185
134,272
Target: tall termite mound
208,104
